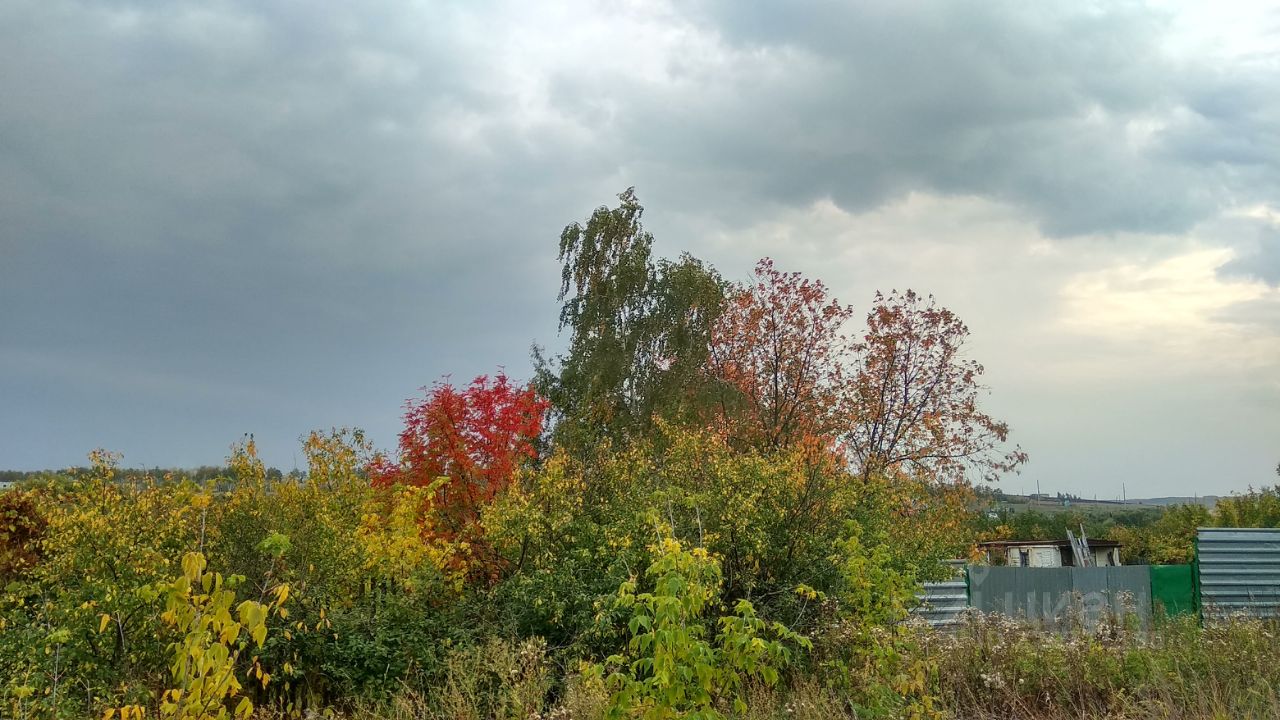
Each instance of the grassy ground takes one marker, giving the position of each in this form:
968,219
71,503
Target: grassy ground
997,668
993,668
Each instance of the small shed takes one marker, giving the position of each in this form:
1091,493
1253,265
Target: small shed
1047,553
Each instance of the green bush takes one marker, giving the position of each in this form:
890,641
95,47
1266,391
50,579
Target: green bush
671,668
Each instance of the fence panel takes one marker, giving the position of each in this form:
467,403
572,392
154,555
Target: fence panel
1173,589
1050,596
1030,593
1129,587
1239,572
942,602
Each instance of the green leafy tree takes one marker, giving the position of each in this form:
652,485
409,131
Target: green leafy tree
572,530
366,589
639,329
1255,509
865,650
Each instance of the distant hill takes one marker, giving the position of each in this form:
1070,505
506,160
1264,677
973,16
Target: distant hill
1208,501
1049,503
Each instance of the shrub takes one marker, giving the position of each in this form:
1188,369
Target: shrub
670,669
865,649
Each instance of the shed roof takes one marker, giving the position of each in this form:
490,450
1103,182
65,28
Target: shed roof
1047,543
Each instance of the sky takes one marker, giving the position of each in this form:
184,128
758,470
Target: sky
233,216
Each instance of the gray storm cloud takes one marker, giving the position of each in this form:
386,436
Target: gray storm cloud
233,216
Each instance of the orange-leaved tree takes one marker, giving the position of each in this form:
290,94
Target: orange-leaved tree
912,403
901,400
777,353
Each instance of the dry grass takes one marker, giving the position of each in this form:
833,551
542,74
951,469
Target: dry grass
993,668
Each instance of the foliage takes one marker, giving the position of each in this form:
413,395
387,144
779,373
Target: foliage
777,352
914,407
22,530
465,446
918,523
199,605
368,586
902,401
1168,540
865,651
476,438
370,598
1158,536
563,532
1257,508
1030,523
770,517
572,531
77,633
872,592
670,668
638,330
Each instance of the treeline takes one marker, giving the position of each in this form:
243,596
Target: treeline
201,474
1149,536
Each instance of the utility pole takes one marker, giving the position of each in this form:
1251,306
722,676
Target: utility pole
1124,496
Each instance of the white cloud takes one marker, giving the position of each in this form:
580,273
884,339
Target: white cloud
1170,311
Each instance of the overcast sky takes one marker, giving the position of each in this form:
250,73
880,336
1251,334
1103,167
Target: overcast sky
220,217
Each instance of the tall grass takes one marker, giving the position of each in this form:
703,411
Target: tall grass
990,668
995,667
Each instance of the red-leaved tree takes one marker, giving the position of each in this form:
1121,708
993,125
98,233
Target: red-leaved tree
475,437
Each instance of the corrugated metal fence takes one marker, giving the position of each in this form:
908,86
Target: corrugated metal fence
1239,572
1056,597
942,602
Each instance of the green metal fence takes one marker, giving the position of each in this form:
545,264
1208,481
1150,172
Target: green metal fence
1173,590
